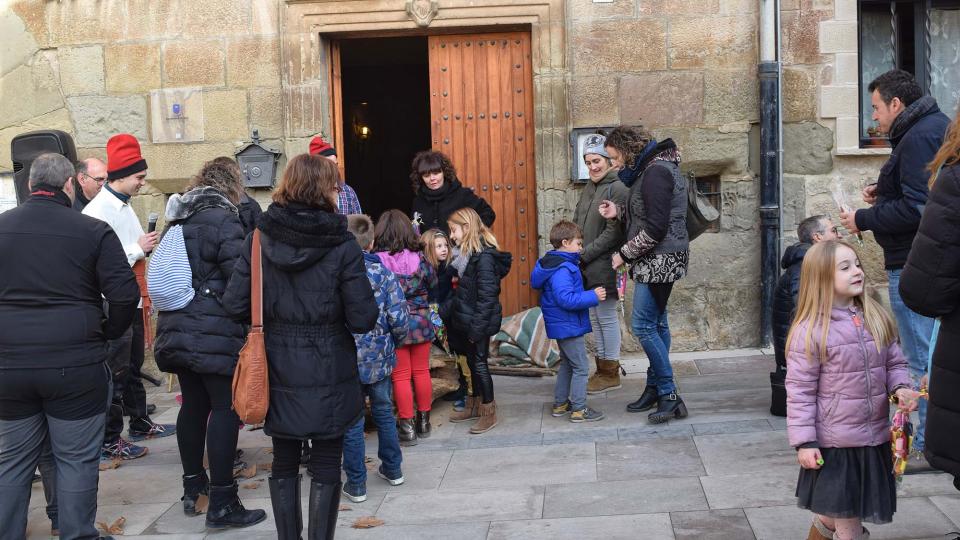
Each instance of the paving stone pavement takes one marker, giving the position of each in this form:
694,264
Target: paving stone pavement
725,472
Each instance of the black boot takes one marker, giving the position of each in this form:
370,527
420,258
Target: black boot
226,511
669,406
407,432
285,498
646,402
324,507
193,486
423,424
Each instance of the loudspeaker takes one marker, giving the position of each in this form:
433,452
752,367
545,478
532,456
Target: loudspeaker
28,146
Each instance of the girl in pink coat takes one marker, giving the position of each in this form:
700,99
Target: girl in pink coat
844,366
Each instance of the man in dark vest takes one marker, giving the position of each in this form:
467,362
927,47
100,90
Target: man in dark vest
58,267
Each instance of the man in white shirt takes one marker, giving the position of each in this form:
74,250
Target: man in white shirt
126,174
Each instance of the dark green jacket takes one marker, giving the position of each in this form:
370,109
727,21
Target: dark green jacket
601,237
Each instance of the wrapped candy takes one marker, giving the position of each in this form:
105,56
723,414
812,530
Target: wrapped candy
622,288
901,440
438,326
839,193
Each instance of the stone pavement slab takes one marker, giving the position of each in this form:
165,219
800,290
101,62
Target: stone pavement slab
624,497
950,506
745,452
761,487
645,459
453,506
436,531
651,526
712,524
521,466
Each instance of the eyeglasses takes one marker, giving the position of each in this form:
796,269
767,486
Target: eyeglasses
97,179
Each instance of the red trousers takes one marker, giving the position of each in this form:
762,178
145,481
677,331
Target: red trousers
413,362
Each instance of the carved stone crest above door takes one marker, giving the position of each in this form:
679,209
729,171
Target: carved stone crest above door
422,11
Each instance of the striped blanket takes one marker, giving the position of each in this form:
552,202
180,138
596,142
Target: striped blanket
522,341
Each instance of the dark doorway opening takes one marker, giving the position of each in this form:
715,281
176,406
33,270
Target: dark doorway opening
386,117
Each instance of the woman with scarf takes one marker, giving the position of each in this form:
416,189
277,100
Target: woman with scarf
201,344
656,251
439,193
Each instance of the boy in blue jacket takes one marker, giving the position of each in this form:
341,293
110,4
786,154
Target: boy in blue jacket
565,305
376,358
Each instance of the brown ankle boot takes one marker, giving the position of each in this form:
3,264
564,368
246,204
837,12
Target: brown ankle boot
488,418
819,531
470,411
606,378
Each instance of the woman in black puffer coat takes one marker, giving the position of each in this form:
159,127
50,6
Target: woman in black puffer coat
200,343
930,285
316,295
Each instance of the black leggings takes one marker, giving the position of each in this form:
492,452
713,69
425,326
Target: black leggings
477,355
207,417
325,456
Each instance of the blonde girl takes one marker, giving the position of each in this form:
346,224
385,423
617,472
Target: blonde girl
843,366
474,309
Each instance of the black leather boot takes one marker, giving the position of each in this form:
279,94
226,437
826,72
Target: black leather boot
193,487
423,424
406,432
670,406
226,511
285,499
324,507
646,402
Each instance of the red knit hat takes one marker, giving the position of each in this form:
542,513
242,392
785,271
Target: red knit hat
123,157
320,147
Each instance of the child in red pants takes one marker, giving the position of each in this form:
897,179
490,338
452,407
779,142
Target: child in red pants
400,250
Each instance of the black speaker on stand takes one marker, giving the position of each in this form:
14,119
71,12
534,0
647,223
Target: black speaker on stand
28,146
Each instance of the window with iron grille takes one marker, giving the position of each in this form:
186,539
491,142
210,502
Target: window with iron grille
922,37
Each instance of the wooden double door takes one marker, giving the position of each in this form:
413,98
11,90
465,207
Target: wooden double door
481,116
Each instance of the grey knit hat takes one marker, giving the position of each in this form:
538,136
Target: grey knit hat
595,144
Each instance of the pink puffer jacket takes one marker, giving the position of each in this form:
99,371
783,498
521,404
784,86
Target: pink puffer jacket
843,402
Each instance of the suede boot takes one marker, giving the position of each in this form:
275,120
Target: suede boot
226,511
819,531
864,535
285,499
646,402
607,377
488,418
194,486
407,432
668,407
423,424
324,507
469,412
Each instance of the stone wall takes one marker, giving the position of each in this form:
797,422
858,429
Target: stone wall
686,69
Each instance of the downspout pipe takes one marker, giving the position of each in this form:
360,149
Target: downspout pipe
771,128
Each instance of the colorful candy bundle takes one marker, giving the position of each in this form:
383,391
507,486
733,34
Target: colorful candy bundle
438,326
622,287
901,440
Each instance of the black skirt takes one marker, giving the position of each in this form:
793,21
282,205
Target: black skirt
851,483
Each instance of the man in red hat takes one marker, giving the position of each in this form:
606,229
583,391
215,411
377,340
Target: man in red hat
126,174
348,202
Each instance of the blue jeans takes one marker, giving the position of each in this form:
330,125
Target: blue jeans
388,447
652,330
915,333
573,373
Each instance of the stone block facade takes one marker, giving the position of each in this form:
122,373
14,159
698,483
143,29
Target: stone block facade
684,68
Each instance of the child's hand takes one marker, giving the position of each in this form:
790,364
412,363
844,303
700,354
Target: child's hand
601,293
616,261
907,399
924,380
809,458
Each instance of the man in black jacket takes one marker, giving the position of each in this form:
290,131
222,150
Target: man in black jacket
91,175
916,128
53,381
810,231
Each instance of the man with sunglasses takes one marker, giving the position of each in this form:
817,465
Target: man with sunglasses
91,175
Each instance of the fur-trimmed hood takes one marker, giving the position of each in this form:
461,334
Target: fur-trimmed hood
181,207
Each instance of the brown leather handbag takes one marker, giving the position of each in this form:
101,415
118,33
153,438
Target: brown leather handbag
251,387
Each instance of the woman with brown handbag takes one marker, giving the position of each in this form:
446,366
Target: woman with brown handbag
315,295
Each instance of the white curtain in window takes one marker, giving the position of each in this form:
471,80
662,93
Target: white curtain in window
945,58
876,58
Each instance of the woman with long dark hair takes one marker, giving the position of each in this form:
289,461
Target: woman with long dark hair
201,344
439,193
316,295
656,252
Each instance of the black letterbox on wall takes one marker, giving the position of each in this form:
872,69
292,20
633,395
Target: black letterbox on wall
28,146
258,163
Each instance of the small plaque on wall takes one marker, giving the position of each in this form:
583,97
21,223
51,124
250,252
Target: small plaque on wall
578,140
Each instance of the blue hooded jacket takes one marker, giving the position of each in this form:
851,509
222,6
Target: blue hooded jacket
376,350
564,302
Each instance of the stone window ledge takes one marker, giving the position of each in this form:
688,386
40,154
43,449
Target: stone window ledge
854,151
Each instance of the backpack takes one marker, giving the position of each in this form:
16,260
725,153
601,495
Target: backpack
169,277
